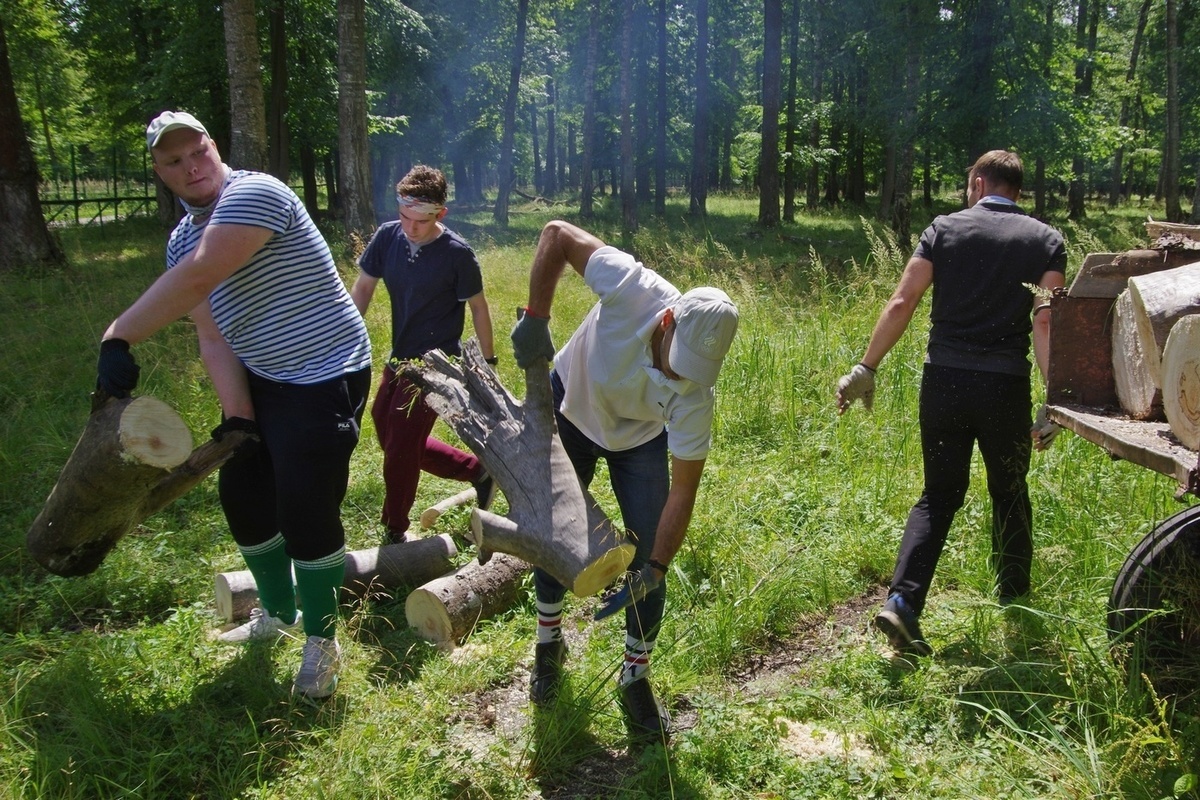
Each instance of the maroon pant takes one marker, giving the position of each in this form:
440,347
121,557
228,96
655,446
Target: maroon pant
403,422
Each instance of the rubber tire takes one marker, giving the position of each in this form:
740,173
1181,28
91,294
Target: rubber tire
1165,644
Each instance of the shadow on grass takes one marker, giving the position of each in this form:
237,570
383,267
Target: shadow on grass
569,763
99,728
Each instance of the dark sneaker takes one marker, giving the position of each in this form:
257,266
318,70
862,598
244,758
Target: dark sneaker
485,492
393,536
898,622
547,670
646,719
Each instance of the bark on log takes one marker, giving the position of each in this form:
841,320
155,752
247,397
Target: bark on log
1108,274
1159,299
446,609
133,459
374,572
1181,380
552,521
430,515
1136,392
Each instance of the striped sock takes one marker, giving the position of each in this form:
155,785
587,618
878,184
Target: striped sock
549,622
637,660
319,583
272,570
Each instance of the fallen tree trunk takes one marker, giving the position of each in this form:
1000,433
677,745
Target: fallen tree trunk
1136,392
552,522
133,459
374,572
446,609
1181,380
1159,299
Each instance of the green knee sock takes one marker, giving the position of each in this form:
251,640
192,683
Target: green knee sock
319,584
272,570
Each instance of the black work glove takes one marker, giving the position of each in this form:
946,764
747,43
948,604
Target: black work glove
249,446
634,586
531,339
116,371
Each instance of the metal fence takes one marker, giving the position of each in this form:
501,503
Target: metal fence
99,187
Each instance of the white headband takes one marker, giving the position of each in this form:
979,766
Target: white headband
418,205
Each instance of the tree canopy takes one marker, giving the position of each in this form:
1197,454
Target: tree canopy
870,102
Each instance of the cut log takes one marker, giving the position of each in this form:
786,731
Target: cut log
430,515
133,459
1181,380
1159,299
446,609
370,573
1107,274
552,522
1136,392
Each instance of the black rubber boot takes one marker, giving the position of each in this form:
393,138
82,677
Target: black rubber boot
646,719
547,669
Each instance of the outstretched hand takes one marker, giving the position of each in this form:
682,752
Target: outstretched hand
857,384
1043,430
635,586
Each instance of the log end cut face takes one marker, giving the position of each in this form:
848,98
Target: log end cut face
151,433
604,570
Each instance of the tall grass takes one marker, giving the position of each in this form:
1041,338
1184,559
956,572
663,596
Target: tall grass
113,687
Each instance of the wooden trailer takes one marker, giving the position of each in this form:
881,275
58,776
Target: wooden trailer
1155,599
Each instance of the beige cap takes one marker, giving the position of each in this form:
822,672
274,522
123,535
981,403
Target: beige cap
705,323
169,121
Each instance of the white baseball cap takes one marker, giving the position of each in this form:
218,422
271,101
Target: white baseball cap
169,121
705,323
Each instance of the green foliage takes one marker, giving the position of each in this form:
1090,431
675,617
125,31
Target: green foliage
113,686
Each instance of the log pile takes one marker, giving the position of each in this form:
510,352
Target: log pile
1159,296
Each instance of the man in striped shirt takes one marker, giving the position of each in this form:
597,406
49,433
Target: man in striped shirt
290,360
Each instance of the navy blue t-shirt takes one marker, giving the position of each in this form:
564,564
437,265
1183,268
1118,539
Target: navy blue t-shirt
428,290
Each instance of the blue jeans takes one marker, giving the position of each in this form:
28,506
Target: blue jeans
641,480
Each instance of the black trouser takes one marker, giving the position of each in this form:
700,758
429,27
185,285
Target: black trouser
958,408
295,481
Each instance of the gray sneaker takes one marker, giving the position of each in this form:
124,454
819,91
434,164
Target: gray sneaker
261,626
318,675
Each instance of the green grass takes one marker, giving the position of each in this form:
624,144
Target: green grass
113,687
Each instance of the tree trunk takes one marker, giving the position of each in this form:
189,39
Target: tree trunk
552,522
372,573
247,115
1181,380
354,173
277,127
1114,189
789,137
629,216
699,182
661,111
446,609
27,240
508,133
1136,392
1159,299
812,185
589,112
550,177
133,459
1086,25
1171,164
768,161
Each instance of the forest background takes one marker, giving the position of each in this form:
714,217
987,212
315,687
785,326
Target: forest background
786,151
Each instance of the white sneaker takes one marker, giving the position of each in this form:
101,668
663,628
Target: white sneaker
318,675
261,626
